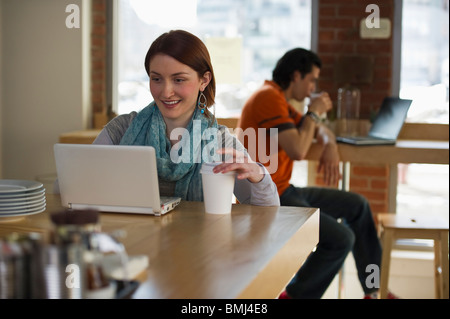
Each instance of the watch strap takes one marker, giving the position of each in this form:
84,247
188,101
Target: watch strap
314,116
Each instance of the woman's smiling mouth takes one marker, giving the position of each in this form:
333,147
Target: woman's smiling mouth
171,104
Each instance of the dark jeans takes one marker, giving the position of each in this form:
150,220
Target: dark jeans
357,233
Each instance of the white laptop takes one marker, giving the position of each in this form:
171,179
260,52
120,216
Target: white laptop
386,125
110,178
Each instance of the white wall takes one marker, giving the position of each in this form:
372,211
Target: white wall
44,82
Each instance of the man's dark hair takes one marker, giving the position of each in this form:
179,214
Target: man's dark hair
294,60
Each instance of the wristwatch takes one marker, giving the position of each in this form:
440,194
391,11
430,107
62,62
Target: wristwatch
314,116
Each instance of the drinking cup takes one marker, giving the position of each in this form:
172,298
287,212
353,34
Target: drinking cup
217,189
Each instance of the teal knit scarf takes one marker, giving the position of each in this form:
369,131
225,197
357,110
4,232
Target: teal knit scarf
182,162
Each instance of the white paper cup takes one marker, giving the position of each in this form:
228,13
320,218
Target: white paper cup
312,97
217,189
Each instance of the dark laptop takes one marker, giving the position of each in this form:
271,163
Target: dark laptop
386,126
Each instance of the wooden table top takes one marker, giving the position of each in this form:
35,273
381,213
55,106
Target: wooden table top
251,253
404,151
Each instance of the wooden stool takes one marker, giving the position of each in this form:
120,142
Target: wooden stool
394,226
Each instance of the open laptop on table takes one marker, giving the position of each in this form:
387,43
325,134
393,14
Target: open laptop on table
386,126
110,178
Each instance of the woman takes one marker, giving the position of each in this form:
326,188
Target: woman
179,125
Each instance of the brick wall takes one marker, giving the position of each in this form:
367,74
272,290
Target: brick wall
339,22
98,60
372,182
339,38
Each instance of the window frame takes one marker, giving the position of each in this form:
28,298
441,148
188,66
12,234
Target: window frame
112,19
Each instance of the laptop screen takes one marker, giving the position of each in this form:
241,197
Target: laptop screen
390,118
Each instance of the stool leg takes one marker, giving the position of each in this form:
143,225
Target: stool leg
341,288
388,237
444,263
437,269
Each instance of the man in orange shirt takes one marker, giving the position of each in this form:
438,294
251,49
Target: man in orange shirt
295,77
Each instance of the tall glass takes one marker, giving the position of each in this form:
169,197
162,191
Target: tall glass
349,100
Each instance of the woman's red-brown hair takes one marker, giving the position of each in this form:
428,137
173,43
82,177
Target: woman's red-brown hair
187,49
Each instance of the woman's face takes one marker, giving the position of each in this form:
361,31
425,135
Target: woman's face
175,87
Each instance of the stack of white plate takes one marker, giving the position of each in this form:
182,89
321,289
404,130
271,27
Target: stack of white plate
21,198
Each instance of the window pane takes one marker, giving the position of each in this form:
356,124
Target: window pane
423,189
262,29
425,60
424,78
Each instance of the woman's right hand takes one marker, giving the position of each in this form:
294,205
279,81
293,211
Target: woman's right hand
243,165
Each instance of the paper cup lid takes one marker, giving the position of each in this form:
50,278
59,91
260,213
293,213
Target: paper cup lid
207,168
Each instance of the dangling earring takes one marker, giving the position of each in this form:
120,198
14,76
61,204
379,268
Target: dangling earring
201,103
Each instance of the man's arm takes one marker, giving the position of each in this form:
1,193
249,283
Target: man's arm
329,159
296,142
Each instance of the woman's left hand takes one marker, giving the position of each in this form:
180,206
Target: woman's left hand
244,166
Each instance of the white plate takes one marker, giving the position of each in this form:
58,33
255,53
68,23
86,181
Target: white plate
16,186
20,205
22,211
8,217
31,196
16,205
22,194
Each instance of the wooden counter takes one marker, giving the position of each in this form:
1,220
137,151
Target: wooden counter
418,143
79,137
251,253
404,151
89,135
